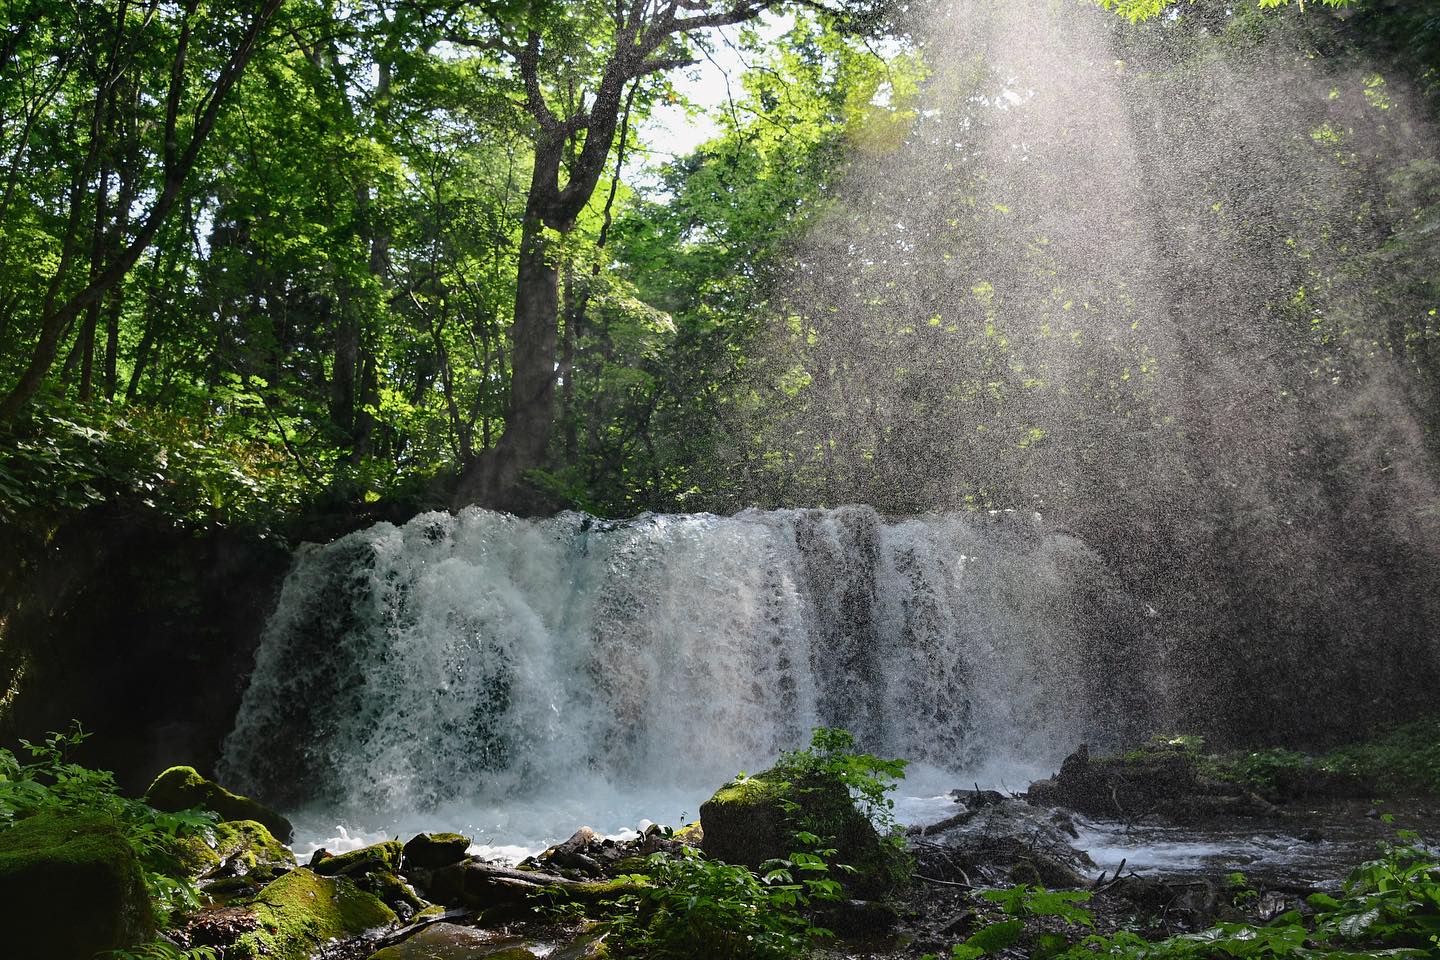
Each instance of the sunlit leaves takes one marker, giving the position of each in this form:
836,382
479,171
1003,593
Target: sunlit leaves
1140,10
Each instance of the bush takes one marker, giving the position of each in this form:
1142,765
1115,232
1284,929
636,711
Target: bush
698,909
50,783
831,755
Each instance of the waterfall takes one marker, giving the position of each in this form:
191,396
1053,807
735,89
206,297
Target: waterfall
480,655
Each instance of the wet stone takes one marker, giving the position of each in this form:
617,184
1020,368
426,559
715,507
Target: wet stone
448,941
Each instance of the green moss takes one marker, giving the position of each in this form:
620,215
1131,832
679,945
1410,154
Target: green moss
70,886
756,819
302,910
761,788
395,893
430,851
181,788
593,891
258,852
379,856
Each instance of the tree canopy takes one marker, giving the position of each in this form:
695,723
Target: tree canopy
260,256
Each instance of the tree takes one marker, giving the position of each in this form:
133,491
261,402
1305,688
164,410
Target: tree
88,70
574,73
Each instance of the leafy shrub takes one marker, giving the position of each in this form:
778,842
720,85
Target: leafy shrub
831,754
1404,760
192,469
50,783
693,907
163,950
1019,904
697,909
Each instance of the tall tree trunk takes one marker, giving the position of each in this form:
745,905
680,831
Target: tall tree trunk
97,262
346,368
495,478
574,310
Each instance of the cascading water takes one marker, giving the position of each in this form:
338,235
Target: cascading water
488,669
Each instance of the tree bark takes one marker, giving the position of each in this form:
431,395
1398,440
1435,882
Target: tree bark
495,478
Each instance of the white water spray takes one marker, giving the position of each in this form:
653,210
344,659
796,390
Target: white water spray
489,669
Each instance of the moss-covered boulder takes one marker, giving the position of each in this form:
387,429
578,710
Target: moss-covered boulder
234,848
181,788
378,856
302,910
375,869
1161,778
755,819
431,851
70,887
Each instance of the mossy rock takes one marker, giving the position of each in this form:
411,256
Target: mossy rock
394,892
181,788
251,849
302,910
1160,778
448,941
431,851
70,887
756,819
378,856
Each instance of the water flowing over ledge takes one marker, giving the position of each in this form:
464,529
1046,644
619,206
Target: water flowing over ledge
483,659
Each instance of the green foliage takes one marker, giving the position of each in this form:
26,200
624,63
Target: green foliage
831,755
163,950
1139,10
1401,761
1241,893
703,909
693,907
1262,770
1019,904
191,470
1389,907
49,782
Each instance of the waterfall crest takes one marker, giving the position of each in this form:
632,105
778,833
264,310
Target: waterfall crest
478,653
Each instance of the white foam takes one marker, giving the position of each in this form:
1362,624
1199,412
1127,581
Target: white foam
514,679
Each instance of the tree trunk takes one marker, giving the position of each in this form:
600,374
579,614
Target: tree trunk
574,310
495,478
346,367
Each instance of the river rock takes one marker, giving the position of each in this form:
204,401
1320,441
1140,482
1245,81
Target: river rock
378,856
755,819
233,849
302,910
431,851
374,869
448,941
1006,842
576,852
180,788
70,887
1156,780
